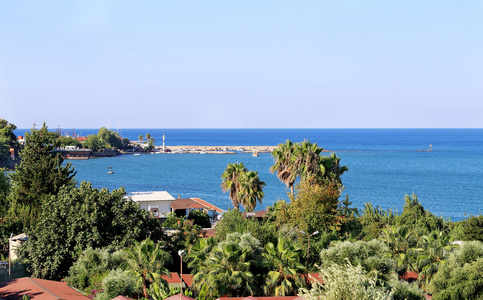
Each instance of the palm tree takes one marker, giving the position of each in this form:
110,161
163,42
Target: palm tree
231,181
147,260
141,137
307,159
284,164
430,254
226,271
331,166
251,190
283,261
148,136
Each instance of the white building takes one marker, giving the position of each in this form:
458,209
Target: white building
157,202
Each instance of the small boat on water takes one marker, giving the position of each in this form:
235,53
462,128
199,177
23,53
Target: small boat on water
110,170
255,154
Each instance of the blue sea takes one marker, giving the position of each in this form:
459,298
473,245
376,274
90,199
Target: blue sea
384,165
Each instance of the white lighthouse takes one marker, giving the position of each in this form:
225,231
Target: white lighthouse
164,149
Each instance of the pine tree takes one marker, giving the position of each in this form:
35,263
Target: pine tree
39,176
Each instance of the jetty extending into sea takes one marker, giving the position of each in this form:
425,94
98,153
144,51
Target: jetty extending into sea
217,149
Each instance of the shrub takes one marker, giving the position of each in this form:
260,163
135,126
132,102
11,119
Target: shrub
402,290
118,282
372,256
460,277
346,282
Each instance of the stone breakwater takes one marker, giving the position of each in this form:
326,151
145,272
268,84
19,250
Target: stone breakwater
217,149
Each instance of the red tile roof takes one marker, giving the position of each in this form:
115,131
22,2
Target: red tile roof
188,279
38,289
174,278
409,275
210,232
177,297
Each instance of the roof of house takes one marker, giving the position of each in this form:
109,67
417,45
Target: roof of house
208,232
188,279
151,196
177,297
255,214
194,203
121,298
38,289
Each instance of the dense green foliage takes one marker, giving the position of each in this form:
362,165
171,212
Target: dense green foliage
462,275
93,264
78,218
7,140
4,192
472,229
345,281
200,217
233,221
372,256
147,261
230,268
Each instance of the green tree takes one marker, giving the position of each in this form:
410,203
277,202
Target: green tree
4,191
7,140
251,190
93,143
419,220
147,260
314,207
40,175
283,262
284,164
141,137
78,218
231,181
148,136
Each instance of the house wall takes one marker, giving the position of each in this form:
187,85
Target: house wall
163,206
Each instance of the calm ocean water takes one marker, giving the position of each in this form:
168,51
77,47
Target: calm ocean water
384,165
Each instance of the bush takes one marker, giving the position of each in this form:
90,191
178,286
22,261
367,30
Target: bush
460,277
91,264
372,256
118,282
402,290
346,282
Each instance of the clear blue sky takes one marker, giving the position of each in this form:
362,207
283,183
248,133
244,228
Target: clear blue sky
242,64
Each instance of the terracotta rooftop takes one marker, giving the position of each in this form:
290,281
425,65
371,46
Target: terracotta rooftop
188,279
209,232
192,203
38,289
177,297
